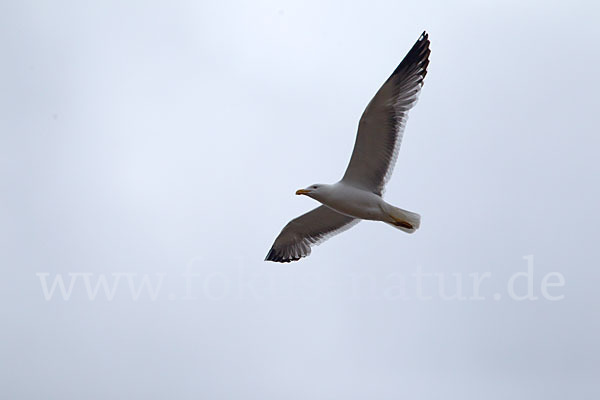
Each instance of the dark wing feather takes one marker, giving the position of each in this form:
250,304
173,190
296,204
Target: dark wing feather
382,124
312,228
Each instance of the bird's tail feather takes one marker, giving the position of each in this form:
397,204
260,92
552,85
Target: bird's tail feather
404,220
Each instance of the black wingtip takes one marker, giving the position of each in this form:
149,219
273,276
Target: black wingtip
269,255
417,56
274,256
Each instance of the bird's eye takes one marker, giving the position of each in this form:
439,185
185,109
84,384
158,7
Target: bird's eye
314,187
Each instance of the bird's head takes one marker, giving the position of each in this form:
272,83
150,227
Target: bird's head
312,191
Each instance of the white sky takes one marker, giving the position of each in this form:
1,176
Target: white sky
144,137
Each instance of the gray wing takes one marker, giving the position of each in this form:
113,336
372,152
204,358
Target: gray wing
312,228
382,124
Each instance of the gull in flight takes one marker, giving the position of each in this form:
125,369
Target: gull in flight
359,194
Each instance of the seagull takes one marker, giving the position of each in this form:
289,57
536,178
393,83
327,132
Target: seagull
358,195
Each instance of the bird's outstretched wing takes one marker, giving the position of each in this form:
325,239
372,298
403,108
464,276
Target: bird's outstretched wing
382,124
312,228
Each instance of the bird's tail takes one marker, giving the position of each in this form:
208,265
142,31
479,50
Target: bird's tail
402,219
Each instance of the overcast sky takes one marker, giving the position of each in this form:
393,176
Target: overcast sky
160,144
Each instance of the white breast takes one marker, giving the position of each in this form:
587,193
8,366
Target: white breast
354,202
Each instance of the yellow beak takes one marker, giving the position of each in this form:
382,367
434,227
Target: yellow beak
302,191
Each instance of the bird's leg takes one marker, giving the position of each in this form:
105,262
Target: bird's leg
402,223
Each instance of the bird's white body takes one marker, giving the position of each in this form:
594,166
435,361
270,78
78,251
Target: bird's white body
352,201
357,203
